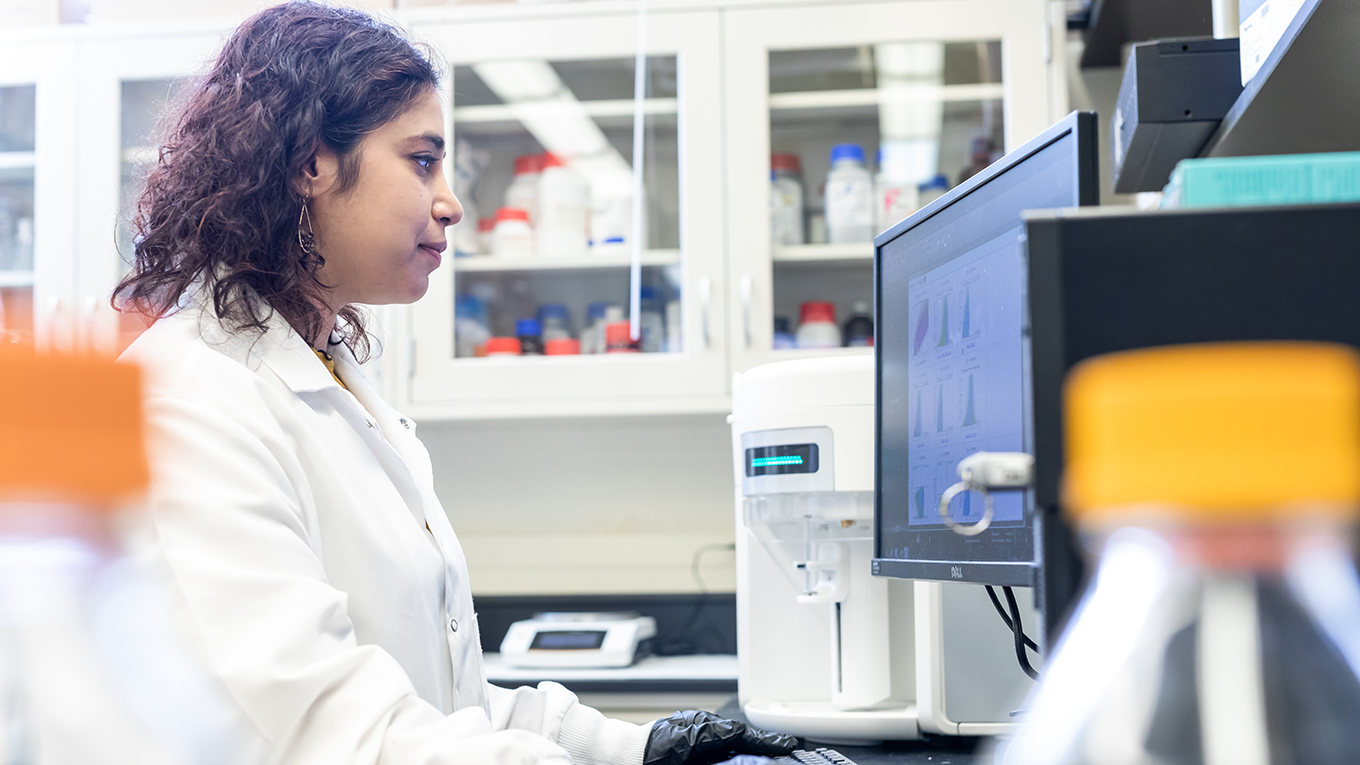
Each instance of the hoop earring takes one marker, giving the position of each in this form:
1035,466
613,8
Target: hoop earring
306,239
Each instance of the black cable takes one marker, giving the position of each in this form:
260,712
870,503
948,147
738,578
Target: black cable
1000,609
1019,632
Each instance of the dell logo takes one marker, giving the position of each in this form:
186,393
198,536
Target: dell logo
956,572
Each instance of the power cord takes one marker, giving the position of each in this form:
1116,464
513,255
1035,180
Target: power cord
680,642
1017,628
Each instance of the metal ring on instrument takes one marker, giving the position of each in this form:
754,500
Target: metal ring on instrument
959,528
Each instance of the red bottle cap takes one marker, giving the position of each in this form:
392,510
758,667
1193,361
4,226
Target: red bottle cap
817,310
528,163
787,162
617,338
552,160
486,224
512,213
562,346
505,346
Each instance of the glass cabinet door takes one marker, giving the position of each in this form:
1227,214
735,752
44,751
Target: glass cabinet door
127,83
572,280
856,117
18,124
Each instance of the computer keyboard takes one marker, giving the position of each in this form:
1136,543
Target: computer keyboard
818,756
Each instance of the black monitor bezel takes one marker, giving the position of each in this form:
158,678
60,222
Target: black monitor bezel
1082,126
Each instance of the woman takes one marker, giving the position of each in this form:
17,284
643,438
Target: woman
296,510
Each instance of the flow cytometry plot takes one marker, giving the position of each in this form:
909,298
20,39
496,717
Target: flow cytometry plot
922,326
918,429
939,408
969,321
918,501
944,322
970,417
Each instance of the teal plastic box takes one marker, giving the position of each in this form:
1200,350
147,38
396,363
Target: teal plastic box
1286,179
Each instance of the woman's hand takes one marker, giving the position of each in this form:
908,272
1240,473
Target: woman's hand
695,738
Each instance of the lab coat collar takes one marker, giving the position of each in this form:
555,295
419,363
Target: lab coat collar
279,347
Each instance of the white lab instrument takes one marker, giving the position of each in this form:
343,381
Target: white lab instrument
825,649
579,640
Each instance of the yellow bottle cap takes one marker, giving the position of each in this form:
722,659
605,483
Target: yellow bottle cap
1221,432
70,429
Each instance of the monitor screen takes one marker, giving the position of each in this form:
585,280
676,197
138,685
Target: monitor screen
953,362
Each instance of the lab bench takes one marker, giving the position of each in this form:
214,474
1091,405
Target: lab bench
657,686
654,687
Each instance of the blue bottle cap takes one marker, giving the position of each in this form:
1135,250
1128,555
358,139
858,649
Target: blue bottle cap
468,306
553,311
938,182
850,151
596,311
647,293
528,327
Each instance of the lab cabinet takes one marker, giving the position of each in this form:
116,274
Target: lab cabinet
690,247
518,88
37,78
912,97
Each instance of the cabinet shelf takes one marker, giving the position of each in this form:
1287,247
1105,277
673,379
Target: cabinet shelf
16,165
489,263
821,99
16,278
825,253
603,108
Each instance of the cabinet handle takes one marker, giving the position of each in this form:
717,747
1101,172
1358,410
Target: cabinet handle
746,308
410,358
705,289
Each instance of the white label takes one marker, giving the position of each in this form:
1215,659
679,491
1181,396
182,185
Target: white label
1260,31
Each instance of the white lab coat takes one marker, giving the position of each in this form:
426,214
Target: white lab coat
293,516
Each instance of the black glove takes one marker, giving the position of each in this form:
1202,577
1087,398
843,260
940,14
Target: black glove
694,737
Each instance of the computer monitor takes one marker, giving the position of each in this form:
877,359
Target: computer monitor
953,371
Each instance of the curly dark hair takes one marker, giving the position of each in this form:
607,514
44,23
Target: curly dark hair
223,201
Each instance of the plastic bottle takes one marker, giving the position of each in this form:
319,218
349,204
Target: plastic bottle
783,338
470,330
93,667
817,325
530,335
1218,488
486,229
522,193
563,210
849,196
502,346
652,324
933,189
894,198
556,321
618,338
592,332
512,237
786,199
675,338
562,346
859,328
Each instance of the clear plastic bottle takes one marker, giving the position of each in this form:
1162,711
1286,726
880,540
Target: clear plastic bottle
894,197
93,668
563,219
786,199
817,325
1218,489
471,328
849,196
522,194
555,320
592,334
651,321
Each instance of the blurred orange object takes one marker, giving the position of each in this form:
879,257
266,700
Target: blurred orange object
70,429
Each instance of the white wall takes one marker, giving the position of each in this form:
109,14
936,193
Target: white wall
598,505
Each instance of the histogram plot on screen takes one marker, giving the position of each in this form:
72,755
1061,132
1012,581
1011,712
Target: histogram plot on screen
918,428
944,322
968,402
921,313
